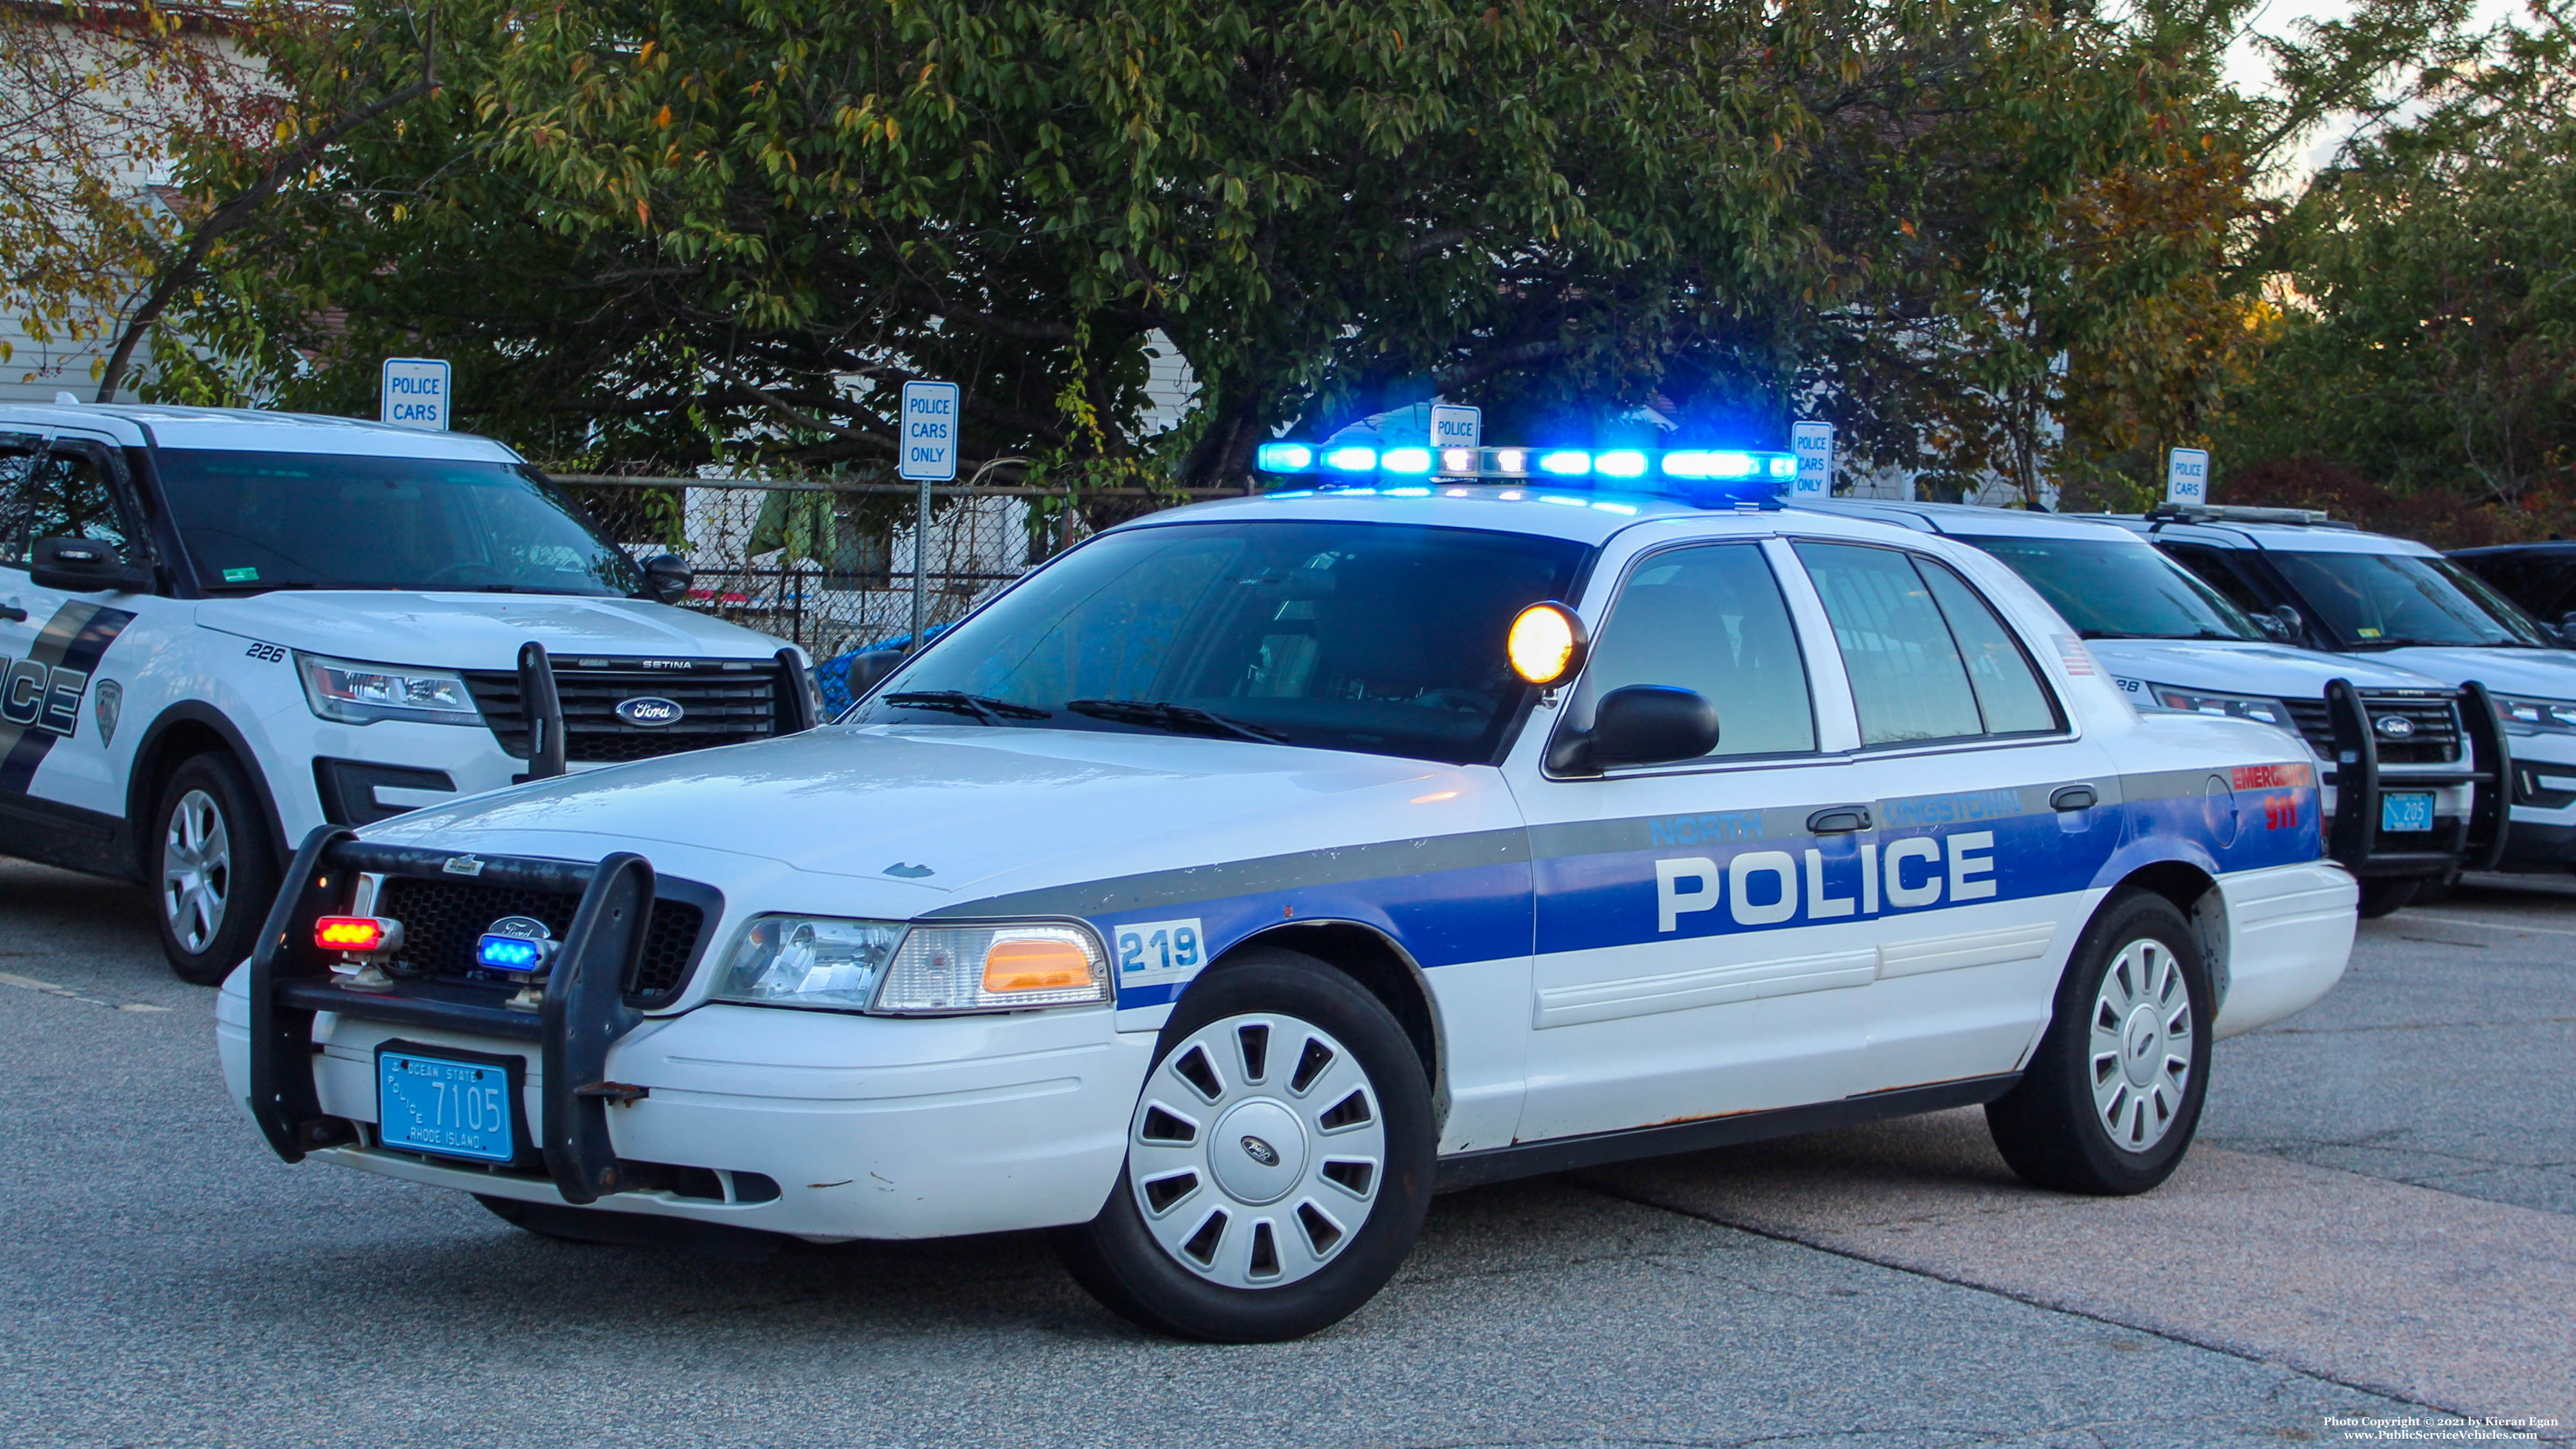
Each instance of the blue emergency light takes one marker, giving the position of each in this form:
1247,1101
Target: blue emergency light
512,953
1710,477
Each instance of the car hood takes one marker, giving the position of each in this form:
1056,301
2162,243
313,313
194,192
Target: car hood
476,631
2227,666
2532,673
960,808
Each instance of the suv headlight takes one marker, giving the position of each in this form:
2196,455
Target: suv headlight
353,693
831,964
2234,706
2537,716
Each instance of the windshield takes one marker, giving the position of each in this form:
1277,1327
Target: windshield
254,521
2373,600
2116,589
1378,638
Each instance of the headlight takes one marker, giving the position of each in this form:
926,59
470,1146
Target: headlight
364,693
815,961
2537,716
883,966
2234,706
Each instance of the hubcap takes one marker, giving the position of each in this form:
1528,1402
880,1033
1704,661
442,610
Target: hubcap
2141,1045
196,871
1256,1151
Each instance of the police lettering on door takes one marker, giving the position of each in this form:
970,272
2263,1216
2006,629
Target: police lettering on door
1912,859
1763,887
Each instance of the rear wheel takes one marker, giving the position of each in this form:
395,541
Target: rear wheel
2112,1097
213,868
1278,1161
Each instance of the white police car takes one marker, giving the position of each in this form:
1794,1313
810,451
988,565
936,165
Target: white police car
2400,602
2428,768
1227,885
221,629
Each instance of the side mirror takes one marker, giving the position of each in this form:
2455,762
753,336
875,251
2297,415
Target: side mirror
868,670
2273,629
2567,628
669,577
2292,621
85,566
1641,724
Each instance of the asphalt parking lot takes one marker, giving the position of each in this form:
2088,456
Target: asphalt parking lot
2380,1221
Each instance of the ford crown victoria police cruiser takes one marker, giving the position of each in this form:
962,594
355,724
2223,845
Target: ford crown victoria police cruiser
1228,884
2429,771
221,629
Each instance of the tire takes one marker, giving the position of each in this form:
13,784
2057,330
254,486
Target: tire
2386,897
1266,1209
212,867
2433,890
2112,1097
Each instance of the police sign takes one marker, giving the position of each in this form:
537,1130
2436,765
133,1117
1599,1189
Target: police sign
1814,445
414,393
929,432
1453,426
2187,476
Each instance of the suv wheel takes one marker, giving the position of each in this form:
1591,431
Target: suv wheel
1279,1161
213,868
2112,1097
2383,897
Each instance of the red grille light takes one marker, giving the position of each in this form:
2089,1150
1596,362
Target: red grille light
356,933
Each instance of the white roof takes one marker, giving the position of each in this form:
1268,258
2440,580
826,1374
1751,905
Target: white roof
249,430
1587,515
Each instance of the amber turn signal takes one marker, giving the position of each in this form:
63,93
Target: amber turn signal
1040,963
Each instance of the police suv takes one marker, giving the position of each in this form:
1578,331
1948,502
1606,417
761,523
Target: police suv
1227,885
2399,602
221,629
2422,790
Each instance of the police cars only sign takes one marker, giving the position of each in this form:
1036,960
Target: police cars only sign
929,431
1814,445
2187,476
414,393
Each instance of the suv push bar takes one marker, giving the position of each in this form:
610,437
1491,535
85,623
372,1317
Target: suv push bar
584,1012
2353,839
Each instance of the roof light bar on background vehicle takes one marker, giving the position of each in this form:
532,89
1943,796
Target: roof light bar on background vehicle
1706,476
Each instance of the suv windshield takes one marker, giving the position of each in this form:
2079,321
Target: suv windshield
1378,638
253,521
2115,589
2376,600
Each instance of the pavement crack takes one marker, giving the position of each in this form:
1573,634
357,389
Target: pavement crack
52,988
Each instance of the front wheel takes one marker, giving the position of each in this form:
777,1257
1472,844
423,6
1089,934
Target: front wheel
1279,1161
2385,897
2112,1097
213,869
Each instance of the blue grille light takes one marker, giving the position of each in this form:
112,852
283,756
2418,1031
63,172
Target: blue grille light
1352,460
511,953
1284,458
1566,463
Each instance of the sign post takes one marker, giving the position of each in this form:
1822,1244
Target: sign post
2187,476
1453,426
1814,445
413,393
928,442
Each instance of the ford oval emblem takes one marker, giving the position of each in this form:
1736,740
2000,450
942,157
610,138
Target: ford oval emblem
524,928
1261,1152
649,712
2395,726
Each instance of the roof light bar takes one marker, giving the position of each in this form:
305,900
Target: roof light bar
1709,477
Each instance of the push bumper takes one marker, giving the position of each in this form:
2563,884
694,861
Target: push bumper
2353,836
823,1125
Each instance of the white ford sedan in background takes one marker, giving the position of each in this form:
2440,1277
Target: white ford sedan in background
1226,886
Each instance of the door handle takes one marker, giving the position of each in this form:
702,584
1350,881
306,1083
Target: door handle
14,612
2074,797
1838,820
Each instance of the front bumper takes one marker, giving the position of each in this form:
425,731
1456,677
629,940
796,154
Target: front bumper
2473,841
819,1124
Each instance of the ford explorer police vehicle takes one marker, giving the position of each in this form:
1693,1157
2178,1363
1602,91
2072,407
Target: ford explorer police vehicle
1225,886
221,629
2429,770
2399,602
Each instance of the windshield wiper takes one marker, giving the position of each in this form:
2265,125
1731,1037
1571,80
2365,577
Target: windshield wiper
2195,634
983,708
1179,719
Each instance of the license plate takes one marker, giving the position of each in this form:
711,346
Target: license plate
2401,813
453,1108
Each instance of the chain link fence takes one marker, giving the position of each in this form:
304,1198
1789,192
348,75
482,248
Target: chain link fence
837,566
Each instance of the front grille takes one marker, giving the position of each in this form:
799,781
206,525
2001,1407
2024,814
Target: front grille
442,920
2436,740
722,702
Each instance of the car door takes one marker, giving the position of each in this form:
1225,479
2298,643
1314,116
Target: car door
49,752
1700,948
1981,862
